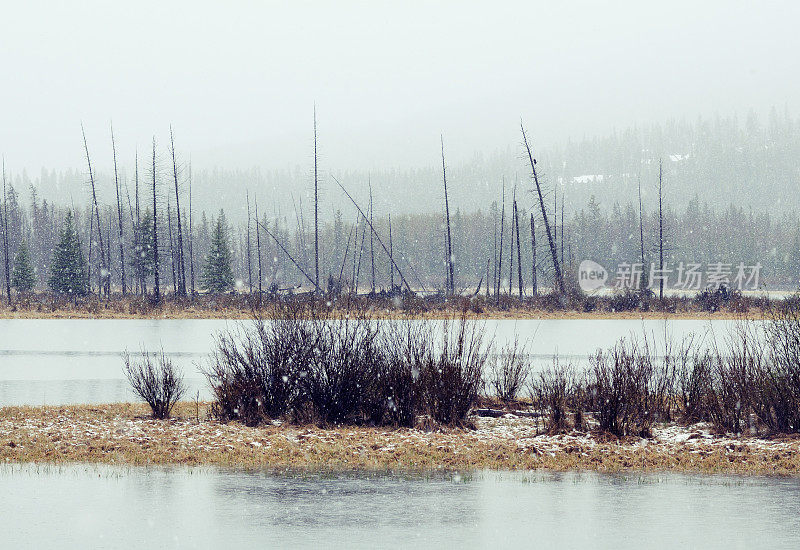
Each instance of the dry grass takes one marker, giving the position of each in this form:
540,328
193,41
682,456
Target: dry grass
125,434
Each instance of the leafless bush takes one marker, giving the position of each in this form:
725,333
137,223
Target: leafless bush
632,388
156,381
453,378
341,376
553,391
511,371
409,348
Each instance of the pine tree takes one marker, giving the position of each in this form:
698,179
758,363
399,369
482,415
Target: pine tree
142,258
217,274
68,268
23,278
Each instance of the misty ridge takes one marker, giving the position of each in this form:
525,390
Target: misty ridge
716,160
726,185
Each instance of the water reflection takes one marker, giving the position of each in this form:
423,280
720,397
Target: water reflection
62,361
79,506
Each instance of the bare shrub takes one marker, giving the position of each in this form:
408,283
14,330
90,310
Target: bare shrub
156,381
511,371
632,388
552,392
453,378
341,375
409,348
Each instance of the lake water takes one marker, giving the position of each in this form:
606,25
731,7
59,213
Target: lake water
57,361
107,507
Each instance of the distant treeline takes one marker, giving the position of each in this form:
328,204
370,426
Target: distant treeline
695,234
750,160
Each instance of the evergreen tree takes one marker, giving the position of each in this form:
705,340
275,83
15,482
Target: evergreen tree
23,278
217,274
142,258
68,267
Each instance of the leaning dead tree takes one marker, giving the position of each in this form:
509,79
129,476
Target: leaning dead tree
105,277
119,217
377,237
258,251
285,251
451,281
181,266
553,252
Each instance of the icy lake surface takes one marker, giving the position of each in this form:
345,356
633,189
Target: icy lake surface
107,507
57,361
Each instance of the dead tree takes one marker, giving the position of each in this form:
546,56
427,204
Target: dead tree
371,242
89,255
137,242
104,266
533,258
5,236
247,245
156,266
451,281
519,250
119,217
641,237
258,251
391,257
556,265
191,235
660,234
181,266
562,229
288,255
316,208
172,252
500,259
511,241
378,238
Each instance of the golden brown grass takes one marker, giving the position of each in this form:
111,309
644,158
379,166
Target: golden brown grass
124,434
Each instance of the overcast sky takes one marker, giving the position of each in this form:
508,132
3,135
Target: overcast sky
238,79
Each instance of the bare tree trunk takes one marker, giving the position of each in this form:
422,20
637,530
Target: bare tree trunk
534,290
119,217
355,258
391,257
181,289
511,243
258,250
360,255
5,236
451,281
641,238
316,208
500,259
191,237
519,251
371,242
247,245
375,233
89,255
556,265
172,251
137,243
562,229
494,264
103,264
660,234
344,258
156,282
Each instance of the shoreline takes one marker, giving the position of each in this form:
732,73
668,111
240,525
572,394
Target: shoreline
123,434
378,314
